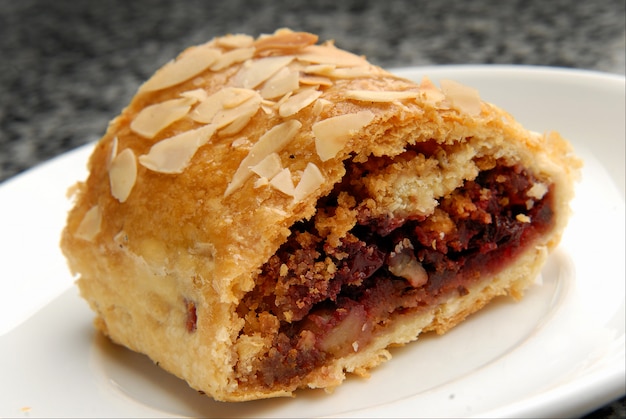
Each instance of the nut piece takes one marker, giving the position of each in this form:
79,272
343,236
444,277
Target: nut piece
255,73
190,63
328,54
123,174
231,57
464,98
298,102
154,118
238,116
283,182
235,41
270,142
268,167
429,92
311,179
197,95
376,96
173,154
283,82
332,134
226,98
285,40
89,227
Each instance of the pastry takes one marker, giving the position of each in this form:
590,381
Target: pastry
271,213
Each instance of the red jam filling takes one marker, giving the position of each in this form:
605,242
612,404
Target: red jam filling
330,300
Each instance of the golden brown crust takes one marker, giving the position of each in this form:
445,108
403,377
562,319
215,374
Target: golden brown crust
148,235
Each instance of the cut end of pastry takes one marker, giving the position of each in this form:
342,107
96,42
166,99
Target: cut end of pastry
269,214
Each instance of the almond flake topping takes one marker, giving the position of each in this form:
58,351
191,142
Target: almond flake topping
351,72
197,94
89,226
270,142
283,182
319,68
319,106
123,174
226,98
298,102
239,116
190,63
173,154
332,134
464,98
315,80
268,167
154,118
376,96
240,122
235,41
283,82
285,40
429,92
311,179
232,57
329,54
113,152
252,75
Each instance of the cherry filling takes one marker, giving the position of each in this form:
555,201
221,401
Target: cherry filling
316,301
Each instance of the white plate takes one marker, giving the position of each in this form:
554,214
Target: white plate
561,351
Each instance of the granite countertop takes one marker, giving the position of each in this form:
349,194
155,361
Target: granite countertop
67,67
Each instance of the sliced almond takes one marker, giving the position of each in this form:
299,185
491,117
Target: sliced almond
235,41
378,96
228,97
429,92
123,174
351,72
319,69
260,182
90,225
320,105
232,57
463,98
241,114
270,142
190,63
283,82
259,70
298,102
268,167
285,40
240,122
173,154
310,181
315,80
113,152
197,95
154,118
329,54
283,182
332,134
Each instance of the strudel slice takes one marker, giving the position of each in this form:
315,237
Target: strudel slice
270,213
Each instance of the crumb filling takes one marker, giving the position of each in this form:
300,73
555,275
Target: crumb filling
317,299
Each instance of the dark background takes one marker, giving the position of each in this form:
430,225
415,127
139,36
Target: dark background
68,67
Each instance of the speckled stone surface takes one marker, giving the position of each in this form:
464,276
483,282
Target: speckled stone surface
67,67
